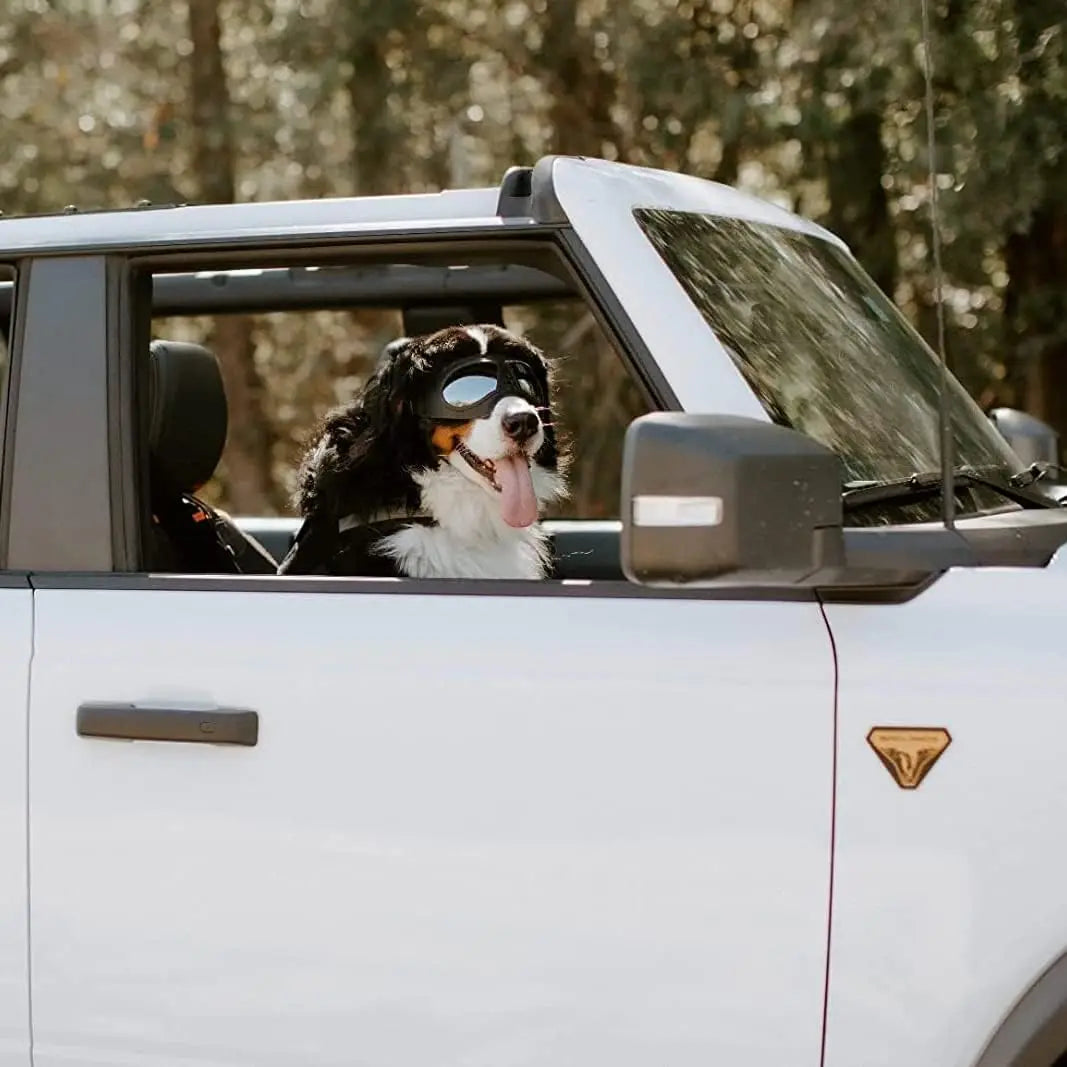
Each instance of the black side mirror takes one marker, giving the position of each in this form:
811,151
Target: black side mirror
713,497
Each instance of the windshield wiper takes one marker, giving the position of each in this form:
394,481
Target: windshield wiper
925,484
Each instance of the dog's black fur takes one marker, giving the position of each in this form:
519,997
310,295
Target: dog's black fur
362,458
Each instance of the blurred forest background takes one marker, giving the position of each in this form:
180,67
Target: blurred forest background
815,104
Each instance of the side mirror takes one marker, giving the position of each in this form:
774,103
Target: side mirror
1032,440
713,497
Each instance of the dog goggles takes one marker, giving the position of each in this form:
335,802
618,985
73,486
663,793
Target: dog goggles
471,388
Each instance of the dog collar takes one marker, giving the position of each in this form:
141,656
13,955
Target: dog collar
350,522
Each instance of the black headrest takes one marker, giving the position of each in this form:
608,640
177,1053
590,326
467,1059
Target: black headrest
188,413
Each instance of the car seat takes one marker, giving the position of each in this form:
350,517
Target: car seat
186,435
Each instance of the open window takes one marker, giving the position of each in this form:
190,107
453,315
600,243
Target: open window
293,338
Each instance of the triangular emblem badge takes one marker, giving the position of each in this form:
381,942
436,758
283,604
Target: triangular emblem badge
909,752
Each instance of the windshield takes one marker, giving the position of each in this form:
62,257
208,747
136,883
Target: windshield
824,350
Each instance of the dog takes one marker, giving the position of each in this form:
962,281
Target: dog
438,468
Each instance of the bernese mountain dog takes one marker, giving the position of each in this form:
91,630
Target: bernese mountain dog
438,468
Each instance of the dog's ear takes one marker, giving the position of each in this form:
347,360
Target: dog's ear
399,363
361,449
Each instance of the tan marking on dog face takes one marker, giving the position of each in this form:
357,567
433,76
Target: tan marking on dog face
444,436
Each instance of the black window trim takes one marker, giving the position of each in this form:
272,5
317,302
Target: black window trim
127,323
10,385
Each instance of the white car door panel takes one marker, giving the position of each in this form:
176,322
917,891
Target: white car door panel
16,635
948,898
493,830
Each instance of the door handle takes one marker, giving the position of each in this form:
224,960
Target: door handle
134,722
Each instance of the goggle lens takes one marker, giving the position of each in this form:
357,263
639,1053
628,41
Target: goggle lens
468,389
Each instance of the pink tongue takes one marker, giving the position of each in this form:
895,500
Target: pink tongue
518,505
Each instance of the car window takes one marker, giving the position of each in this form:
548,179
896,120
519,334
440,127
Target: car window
824,350
284,369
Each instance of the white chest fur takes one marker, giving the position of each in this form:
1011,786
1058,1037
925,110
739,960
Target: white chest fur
471,540
438,552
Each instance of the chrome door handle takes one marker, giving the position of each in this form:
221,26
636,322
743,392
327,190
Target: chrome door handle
134,722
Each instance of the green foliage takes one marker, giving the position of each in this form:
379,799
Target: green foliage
817,104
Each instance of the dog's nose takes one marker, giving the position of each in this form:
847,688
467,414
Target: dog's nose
520,425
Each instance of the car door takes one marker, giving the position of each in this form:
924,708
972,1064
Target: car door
539,825
948,899
16,630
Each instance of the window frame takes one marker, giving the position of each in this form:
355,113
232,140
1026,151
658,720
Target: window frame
14,272
97,410
597,298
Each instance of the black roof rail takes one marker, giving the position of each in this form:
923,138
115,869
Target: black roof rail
528,192
515,188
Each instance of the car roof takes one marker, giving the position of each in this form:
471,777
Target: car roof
168,226
191,224
638,186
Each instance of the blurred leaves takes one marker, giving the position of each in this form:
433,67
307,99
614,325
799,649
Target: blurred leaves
816,104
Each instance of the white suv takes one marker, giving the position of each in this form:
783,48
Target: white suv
768,773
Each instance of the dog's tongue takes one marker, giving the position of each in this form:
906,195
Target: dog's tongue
518,505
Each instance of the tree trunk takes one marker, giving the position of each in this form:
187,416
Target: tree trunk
1035,314
248,459
582,93
859,207
213,153
369,87
248,462
1035,304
